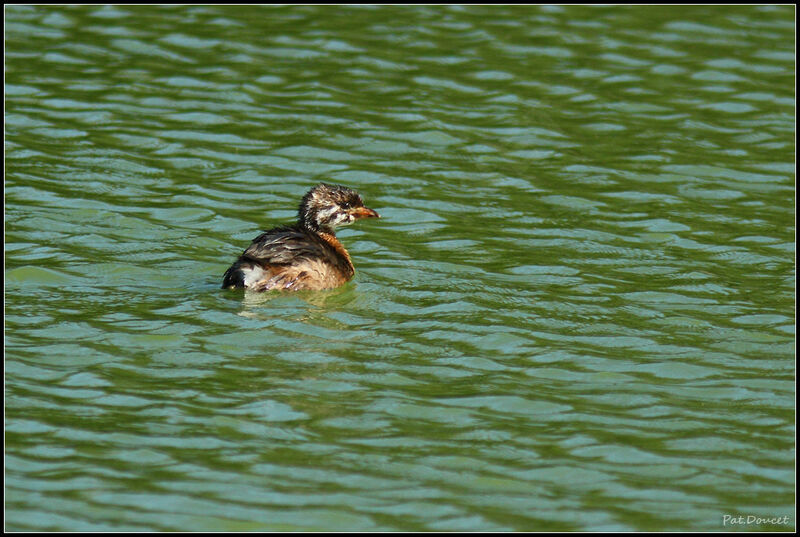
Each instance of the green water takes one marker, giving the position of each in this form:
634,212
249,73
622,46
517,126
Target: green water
577,312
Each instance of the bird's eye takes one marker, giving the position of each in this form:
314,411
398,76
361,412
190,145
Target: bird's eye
346,205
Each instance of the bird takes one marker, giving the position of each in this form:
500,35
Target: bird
305,255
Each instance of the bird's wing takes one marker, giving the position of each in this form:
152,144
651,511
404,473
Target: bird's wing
282,246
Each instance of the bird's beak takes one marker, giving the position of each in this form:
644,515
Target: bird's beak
364,212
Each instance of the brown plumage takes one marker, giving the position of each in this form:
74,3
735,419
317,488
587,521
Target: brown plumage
307,254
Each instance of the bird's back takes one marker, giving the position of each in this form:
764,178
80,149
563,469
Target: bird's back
291,258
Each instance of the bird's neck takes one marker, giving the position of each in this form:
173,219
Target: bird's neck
331,239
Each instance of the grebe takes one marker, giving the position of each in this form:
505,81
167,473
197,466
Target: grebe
305,255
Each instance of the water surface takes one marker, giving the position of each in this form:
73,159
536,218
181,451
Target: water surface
577,312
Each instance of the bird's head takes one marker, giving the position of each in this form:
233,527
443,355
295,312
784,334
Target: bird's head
326,207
